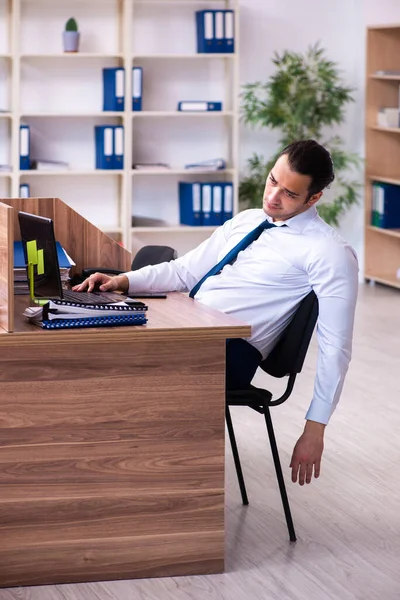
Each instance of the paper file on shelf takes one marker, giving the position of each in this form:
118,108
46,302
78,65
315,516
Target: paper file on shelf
141,221
49,165
388,117
151,166
213,164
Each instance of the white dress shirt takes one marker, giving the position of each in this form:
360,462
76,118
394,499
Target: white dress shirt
266,283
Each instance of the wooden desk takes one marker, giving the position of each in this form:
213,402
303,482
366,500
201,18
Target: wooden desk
112,447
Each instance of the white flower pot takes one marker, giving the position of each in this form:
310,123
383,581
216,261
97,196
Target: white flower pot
71,41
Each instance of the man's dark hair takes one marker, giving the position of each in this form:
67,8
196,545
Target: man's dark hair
307,157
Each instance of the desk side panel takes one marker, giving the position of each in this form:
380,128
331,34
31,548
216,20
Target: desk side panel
6,268
111,460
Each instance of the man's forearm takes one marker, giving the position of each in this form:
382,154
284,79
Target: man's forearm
314,428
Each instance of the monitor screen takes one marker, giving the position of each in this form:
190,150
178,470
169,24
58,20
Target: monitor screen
40,229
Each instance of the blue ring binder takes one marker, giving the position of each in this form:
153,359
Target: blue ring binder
112,321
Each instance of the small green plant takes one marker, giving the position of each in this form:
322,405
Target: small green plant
304,98
71,25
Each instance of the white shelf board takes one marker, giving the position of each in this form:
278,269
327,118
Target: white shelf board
69,173
70,55
183,113
5,173
386,280
151,172
385,77
5,115
182,56
99,114
5,55
173,229
384,179
390,232
386,129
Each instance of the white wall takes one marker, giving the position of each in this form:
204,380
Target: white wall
276,25
267,26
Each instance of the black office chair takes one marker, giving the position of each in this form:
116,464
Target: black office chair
153,255
286,359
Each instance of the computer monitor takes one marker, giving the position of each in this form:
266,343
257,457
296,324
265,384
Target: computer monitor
46,274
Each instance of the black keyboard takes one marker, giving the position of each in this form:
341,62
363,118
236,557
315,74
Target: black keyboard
91,297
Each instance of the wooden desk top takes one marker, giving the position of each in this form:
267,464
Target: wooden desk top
175,317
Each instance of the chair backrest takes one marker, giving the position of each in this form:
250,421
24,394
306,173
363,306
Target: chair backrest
153,255
288,355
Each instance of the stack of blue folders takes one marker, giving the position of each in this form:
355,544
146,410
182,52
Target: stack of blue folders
20,275
114,89
61,314
385,205
215,31
208,203
109,140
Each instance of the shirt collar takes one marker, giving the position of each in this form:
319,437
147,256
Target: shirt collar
299,222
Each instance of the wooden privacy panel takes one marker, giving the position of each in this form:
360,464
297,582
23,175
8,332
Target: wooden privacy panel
85,243
6,269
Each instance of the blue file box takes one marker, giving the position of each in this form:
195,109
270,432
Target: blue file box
114,89
205,31
216,204
227,201
104,140
206,203
137,88
24,147
118,162
190,203
229,31
24,190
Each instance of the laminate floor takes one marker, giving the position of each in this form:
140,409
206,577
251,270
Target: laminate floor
347,522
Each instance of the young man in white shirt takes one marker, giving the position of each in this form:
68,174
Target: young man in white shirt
267,281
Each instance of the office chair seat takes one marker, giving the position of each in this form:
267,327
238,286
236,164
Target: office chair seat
286,359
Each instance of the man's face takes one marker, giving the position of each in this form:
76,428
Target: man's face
286,192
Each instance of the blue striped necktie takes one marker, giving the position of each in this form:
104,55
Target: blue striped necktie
232,254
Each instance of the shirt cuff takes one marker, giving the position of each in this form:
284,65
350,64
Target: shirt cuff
136,280
319,411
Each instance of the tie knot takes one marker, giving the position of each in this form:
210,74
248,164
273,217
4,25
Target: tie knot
266,225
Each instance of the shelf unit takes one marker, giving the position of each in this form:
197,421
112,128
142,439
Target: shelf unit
60,96
382,156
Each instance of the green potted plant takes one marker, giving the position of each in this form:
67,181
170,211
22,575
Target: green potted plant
71,36
303,99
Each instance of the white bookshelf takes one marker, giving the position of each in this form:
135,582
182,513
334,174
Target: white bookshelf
60,97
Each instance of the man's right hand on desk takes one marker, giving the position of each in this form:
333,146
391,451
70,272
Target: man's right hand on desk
104,283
